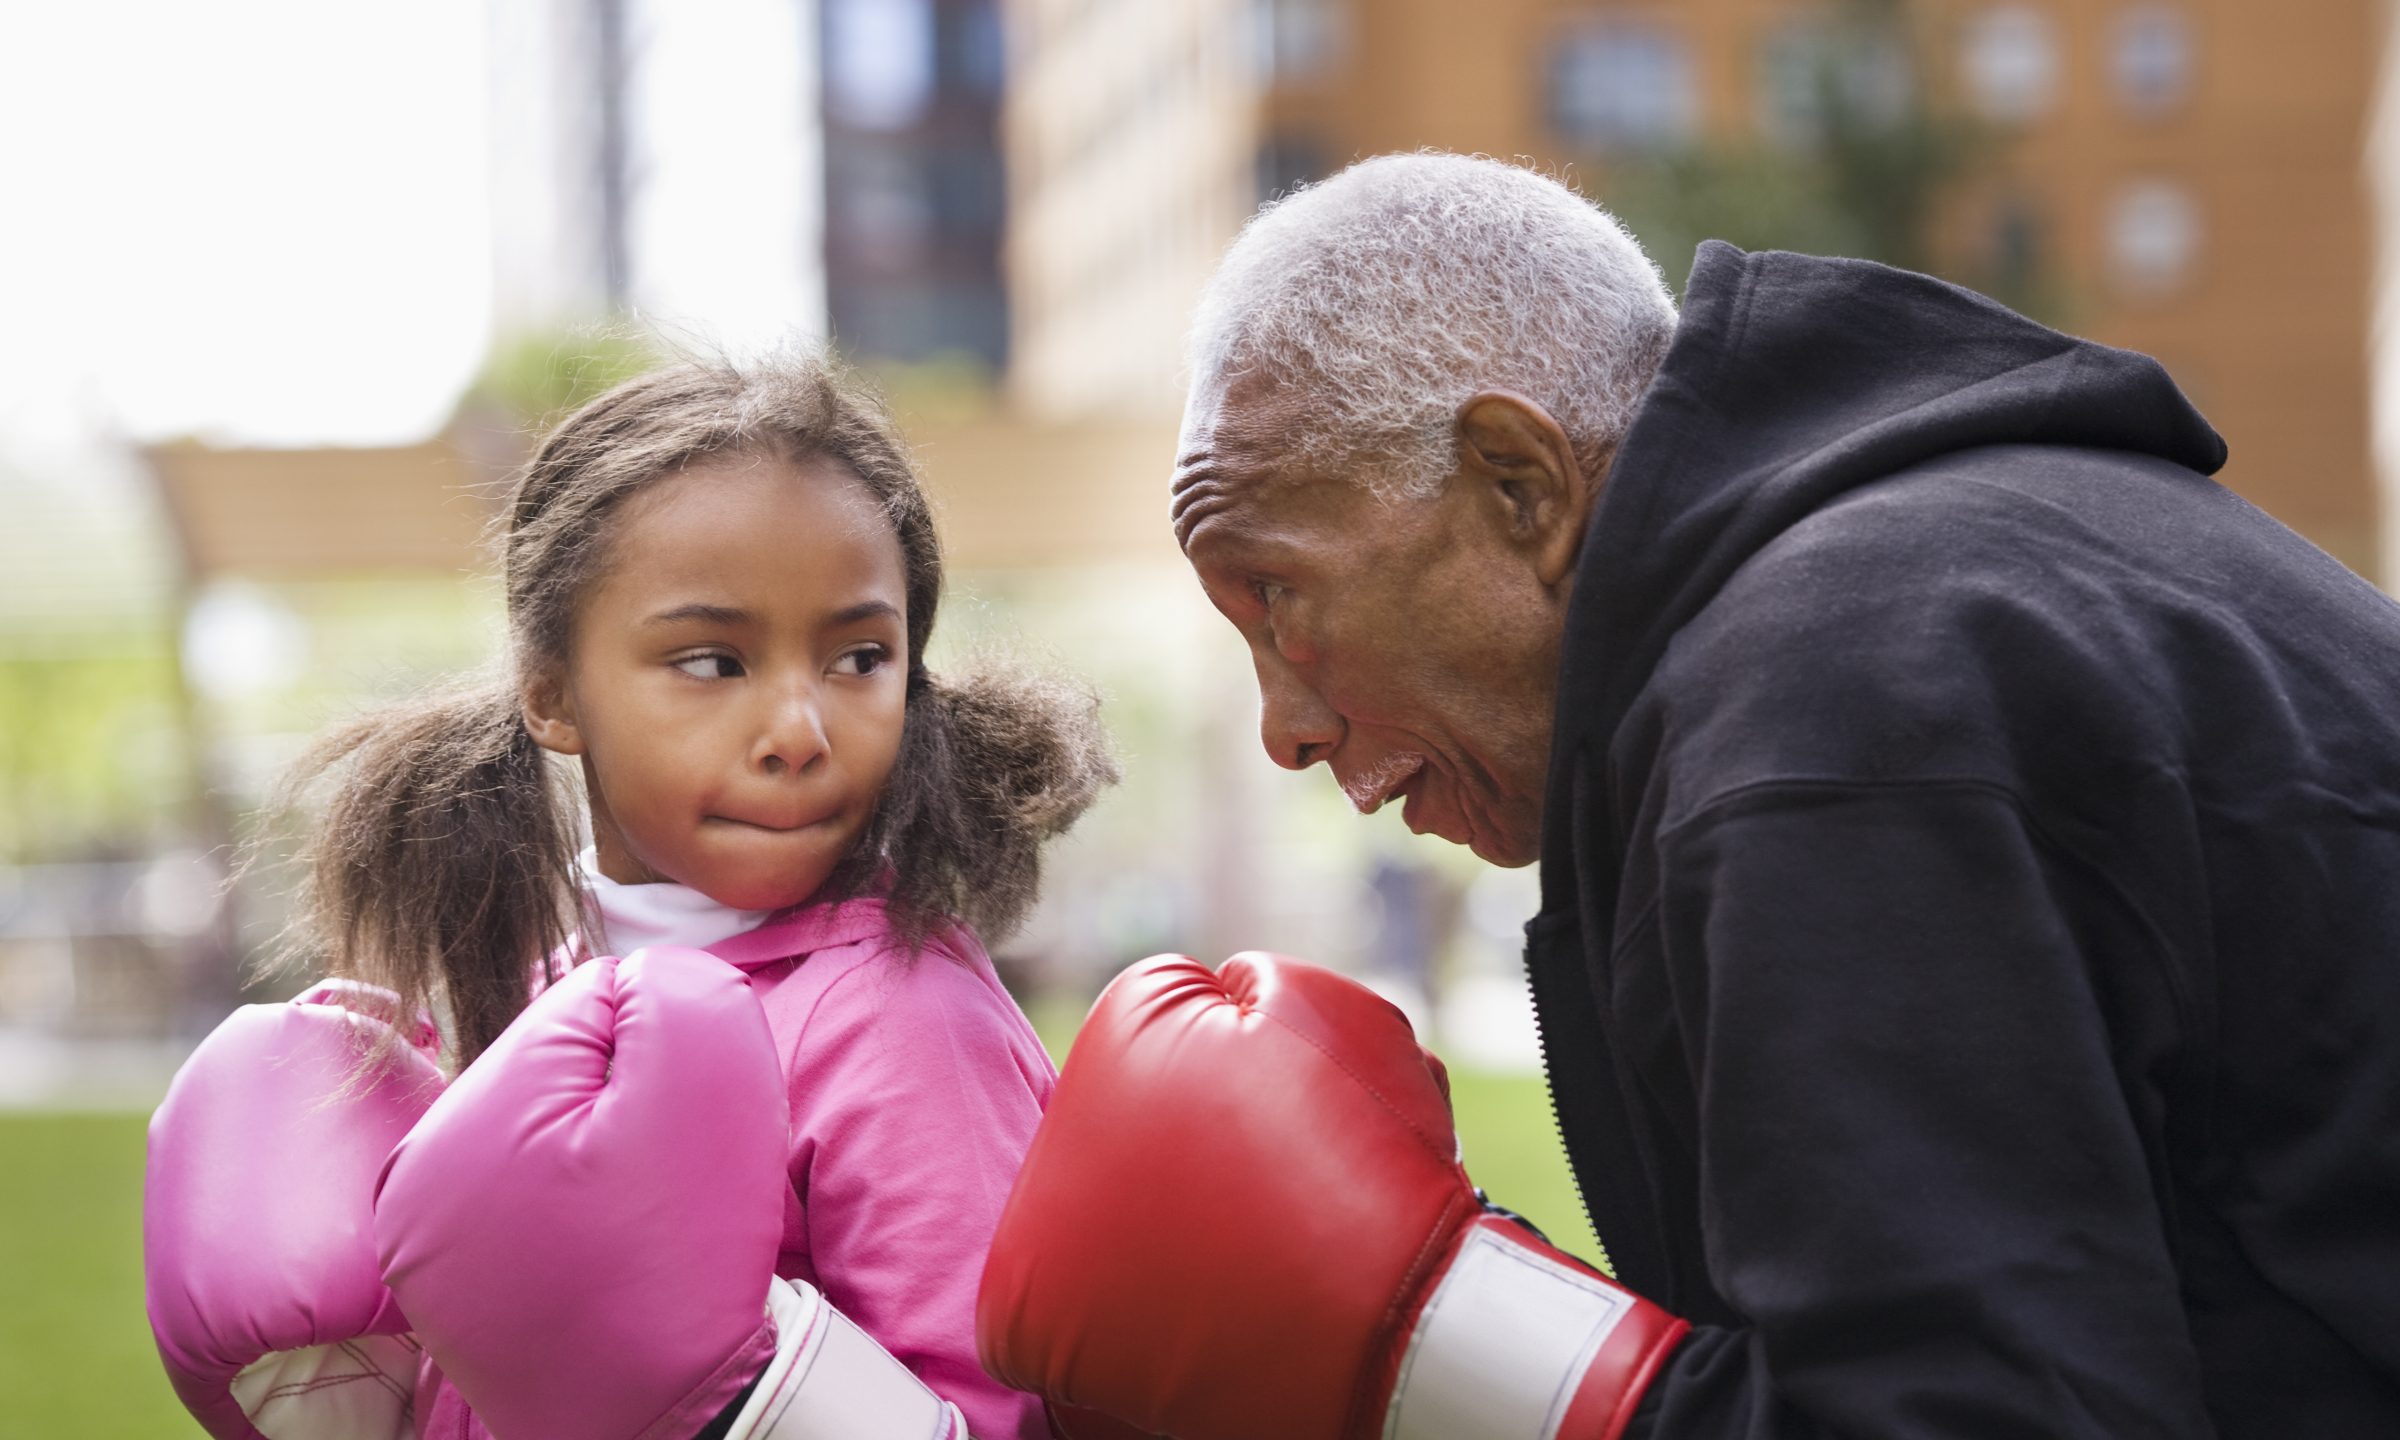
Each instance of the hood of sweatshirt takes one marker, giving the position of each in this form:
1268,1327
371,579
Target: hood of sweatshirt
1791,380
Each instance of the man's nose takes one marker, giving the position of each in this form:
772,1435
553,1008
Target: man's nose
792,735
1294,722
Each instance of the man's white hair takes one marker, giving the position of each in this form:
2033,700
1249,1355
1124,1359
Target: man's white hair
1380,300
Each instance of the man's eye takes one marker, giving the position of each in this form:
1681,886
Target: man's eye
710,667
1267,592
864,661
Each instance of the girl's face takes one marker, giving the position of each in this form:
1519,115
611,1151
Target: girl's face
738,680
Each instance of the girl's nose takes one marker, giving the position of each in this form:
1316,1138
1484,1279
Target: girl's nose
793,737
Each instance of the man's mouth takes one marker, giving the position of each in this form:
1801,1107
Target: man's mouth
1371,788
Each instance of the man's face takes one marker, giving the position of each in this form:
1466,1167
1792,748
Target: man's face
1410,645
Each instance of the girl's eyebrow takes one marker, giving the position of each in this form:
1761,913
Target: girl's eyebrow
709,614
863,610
728,615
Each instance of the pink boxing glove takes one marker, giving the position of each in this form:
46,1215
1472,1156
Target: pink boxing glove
258,1246
584,1228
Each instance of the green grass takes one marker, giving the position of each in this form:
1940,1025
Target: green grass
1513,1151
75,1351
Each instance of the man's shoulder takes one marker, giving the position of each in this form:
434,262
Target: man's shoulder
1905,568
1921,625
2004,507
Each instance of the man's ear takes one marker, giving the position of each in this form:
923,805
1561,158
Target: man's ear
549,713
1523,461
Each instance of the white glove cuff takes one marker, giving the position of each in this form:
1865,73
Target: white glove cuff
1499,1350
363,1389
829,1381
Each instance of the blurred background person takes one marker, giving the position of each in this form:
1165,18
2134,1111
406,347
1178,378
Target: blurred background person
291,287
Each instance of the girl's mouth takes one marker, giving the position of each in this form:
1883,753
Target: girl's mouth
773,826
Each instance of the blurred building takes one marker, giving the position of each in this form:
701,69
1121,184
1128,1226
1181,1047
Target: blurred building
2182,177
561,170
657,158
914,196
1132,135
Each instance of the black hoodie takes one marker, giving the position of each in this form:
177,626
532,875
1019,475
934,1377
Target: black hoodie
1969,965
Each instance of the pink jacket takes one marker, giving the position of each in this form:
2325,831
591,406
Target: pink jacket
915,1085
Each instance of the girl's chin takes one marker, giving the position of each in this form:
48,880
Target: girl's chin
762,898
776,892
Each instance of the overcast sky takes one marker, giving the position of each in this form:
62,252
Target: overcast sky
258,220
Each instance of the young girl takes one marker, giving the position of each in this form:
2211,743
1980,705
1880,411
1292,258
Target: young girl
720,584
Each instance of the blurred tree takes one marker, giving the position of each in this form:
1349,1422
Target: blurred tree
1858,155
535,379
88,750
531,381
952,386
89,756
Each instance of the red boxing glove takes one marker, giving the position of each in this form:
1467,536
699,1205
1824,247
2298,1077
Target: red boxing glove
1244,1215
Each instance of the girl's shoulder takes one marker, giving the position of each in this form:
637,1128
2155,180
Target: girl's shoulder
846,933
929,1017
806,931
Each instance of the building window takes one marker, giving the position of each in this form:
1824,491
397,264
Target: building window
1807,70
1294,40
1285,162
2016,251
882,206
978,50
2011,63
2151,58
2153,238
879,62
1623,84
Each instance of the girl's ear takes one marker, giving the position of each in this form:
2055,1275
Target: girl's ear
550,715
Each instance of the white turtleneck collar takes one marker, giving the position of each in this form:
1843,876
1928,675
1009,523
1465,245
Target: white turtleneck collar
659,913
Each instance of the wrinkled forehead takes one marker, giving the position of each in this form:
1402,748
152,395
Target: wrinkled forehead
1217,482
1235,451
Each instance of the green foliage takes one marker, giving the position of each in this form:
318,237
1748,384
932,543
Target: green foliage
945,389
1755,196
75,1351
1867,157
539,378
91,757
90,753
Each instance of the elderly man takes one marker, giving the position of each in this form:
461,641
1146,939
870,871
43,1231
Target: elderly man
1969,961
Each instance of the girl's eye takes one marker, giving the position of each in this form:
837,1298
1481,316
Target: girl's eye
864,661
710,667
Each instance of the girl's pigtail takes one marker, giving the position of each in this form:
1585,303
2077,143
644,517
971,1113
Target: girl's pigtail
443,864
991,767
